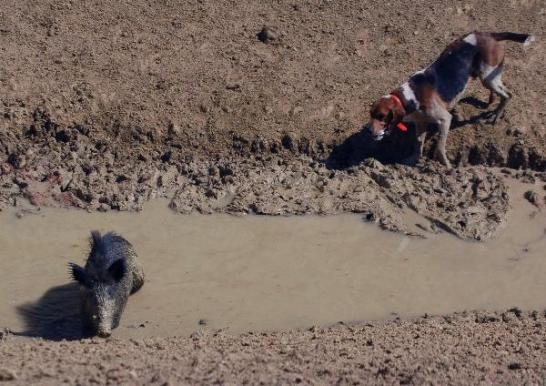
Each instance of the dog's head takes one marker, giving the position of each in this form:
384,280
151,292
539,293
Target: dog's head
385,113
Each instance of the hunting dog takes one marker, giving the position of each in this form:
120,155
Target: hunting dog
429,95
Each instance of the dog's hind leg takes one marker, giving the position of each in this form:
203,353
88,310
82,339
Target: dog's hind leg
491,98
492,79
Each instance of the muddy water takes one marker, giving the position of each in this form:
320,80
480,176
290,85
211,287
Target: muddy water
263,273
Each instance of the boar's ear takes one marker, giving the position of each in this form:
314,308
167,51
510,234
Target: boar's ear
117,269
96,237
78,273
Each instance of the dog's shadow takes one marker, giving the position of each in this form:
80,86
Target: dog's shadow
393,148
478,118
55,316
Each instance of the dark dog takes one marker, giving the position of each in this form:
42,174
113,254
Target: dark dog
430,94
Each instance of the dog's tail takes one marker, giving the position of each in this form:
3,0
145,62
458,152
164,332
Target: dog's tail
519,38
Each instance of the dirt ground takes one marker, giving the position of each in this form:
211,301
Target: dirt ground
471,348
107,105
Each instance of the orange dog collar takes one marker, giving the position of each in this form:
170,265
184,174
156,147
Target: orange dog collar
400,126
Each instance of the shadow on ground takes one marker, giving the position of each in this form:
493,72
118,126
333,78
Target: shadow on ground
480,117
55,316
393,148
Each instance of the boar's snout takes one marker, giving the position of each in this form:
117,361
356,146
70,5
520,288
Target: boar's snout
104,332
110,275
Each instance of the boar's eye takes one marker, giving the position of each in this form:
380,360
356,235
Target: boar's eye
117,269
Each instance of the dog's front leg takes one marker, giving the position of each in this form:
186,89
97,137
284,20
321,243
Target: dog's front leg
419,144
457,114
443,122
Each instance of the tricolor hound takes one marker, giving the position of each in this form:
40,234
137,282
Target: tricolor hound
429,95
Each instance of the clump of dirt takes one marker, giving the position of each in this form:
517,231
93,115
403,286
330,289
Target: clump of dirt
468,203
535,198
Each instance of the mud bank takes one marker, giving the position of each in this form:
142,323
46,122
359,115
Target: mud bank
118,168
468,202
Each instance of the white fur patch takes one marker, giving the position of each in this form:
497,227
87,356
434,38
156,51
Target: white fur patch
471,39
528,41
379,136
486,70
409,95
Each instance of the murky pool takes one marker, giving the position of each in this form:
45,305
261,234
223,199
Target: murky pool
265,273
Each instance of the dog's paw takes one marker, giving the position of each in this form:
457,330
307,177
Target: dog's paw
442,158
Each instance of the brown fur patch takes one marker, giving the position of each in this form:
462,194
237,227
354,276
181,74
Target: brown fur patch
491,50
427,97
